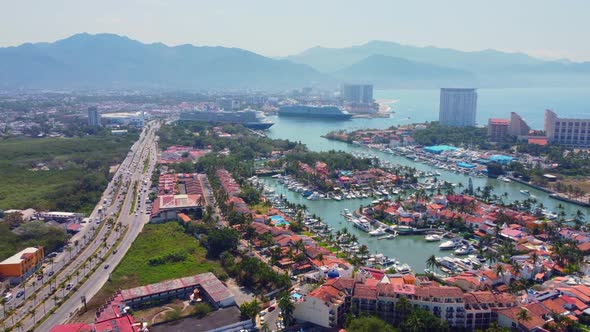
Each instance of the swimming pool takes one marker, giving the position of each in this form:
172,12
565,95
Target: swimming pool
279,221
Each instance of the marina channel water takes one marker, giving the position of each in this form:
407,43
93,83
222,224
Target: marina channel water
407,249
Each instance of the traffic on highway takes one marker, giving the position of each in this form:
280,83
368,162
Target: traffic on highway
54,293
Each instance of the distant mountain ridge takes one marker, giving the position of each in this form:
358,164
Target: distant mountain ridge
112,61
389,71
486,68
85,61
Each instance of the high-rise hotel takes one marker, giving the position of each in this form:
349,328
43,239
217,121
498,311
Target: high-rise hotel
572,132
458,107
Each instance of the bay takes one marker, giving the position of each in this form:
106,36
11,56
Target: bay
412,106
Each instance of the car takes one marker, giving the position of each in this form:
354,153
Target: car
262,313
106,266
115,251
261,320
39,276
271,308
8,297
20,294
50,273
69,286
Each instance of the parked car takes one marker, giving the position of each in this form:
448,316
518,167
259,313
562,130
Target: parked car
20,294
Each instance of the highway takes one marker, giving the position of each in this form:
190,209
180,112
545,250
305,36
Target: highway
129,224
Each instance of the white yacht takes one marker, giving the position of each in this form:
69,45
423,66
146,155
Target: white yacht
432,237
448,245
464,250
377,232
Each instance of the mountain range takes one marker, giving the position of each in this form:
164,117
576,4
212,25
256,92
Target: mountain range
113,61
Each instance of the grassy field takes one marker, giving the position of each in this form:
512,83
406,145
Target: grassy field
156,240
160,240
78,171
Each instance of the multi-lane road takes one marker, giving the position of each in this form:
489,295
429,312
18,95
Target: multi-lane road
53,292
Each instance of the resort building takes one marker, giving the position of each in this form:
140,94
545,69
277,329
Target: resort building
498,129
571,132
458,107
21,265
326,305
518,127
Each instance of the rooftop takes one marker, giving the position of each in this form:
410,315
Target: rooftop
17,258
217,319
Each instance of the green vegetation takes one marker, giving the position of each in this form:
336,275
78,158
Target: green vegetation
166,240
135,194
253,273
78,171
146,163
30,234
435,134
369,324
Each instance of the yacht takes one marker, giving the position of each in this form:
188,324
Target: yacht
448,245
363,225
337,197
377,232
432,237
314,197
525,192
464,250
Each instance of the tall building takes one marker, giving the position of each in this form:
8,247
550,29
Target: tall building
498,129
357,93
518,127
572,132
457,107
93,117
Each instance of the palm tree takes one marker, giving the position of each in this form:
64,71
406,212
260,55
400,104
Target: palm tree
523,316
264,327
33,312
515,267
3,304
69,249
320,257
431,262
402,308
287,308
499,270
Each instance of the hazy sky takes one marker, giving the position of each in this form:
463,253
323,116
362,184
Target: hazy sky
547,28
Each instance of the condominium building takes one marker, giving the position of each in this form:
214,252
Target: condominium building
571,132
22,264
93,117
518,127
498,129
458,107
327,305
357,93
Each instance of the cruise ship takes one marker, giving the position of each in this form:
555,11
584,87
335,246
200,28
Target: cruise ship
308,111
248,118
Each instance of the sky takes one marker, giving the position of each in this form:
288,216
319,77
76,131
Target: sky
550,29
